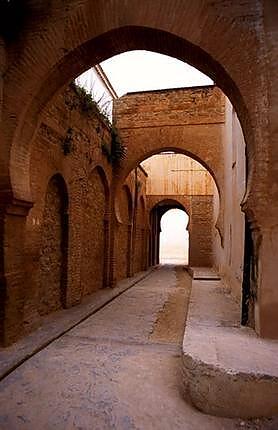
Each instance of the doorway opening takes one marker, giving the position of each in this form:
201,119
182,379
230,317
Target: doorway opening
174,238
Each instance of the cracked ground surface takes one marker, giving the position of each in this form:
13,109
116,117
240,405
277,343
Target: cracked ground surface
119,369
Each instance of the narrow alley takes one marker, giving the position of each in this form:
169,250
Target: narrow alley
118,369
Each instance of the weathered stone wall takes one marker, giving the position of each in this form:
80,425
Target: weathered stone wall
200,231
228,256
87,175
123,233
53,252
93,234
131,245
140,237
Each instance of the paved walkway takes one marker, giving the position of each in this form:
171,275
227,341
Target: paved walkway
118,369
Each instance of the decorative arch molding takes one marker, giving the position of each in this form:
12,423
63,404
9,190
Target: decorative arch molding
102,235
172,203
140,235
126,189
105,182
167,204
54,242
122,234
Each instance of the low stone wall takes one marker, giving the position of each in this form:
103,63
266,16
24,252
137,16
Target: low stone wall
226,369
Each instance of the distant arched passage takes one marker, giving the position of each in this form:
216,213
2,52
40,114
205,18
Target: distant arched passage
174,237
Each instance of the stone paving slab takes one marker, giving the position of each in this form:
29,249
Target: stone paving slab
227,369
204,273
58,323
110,373
114,370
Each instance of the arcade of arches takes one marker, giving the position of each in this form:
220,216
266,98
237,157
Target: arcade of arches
92,224
71,222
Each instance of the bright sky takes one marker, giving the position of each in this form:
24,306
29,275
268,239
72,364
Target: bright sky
145,70
140,71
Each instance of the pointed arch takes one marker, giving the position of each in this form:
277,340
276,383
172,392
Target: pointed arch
53,259
95,231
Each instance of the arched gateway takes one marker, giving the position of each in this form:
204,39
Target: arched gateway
56,44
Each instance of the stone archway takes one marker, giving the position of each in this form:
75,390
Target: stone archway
139,241
188,121
34,68
156,212
95,232
82,53
123,234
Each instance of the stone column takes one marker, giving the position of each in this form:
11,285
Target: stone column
106,252
12,267
129,250
266,278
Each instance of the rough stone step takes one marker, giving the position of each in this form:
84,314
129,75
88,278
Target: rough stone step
203,273
227,370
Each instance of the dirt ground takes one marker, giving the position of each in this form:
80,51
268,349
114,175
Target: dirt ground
170,323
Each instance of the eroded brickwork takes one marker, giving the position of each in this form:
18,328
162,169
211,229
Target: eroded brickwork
200,230
186,120
93,240
52,253
139,237
123,234
86,174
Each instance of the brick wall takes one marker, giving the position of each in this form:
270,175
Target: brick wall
93,239
140,237
123,234
200,231
86,174
187,120
52,252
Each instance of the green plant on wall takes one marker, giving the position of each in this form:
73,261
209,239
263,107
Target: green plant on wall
87,103
115,151
138,185
118,150
67,143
